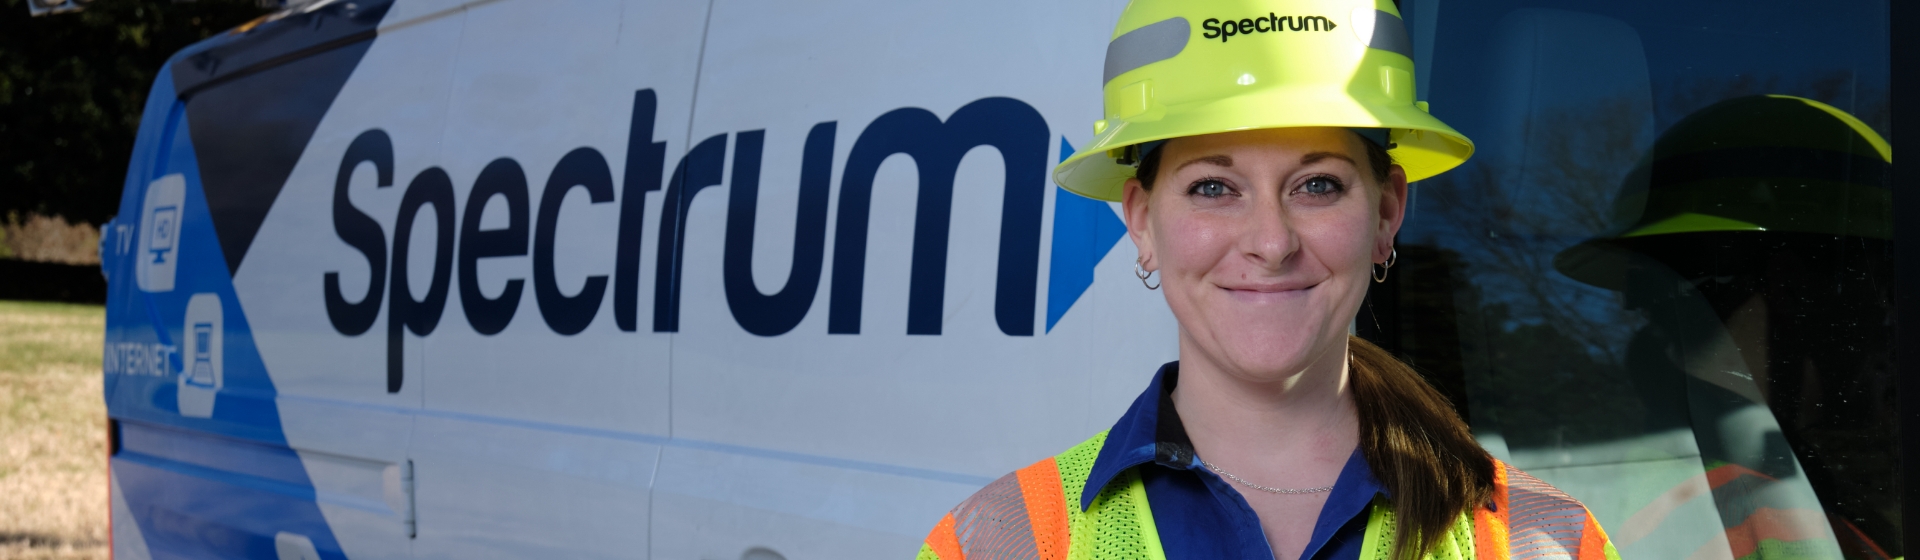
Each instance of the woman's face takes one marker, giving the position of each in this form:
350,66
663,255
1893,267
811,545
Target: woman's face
1264,241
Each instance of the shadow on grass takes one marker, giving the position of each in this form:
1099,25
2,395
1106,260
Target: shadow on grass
9,539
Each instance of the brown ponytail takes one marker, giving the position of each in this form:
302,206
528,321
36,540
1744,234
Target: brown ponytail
1417,446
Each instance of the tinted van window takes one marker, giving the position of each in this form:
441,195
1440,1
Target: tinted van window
1664,282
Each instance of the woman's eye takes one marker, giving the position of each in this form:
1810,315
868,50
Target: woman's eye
1322,185
1209,188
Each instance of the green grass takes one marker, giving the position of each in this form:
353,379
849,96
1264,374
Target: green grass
42,338
53,499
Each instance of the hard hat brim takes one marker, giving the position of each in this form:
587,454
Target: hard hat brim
1675,242
1423,145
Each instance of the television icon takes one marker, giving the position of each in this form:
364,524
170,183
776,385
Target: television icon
161,242
159,226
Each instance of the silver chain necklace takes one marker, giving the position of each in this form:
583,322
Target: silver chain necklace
1267,489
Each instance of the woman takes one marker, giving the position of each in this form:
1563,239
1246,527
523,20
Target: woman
1263,162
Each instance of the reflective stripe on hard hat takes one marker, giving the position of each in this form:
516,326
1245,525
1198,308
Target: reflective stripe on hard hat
1391,37
1144,46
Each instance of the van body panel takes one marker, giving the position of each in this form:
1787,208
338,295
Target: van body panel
530,396
755,279
955,409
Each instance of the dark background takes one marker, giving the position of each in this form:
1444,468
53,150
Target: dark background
72,86
1906,201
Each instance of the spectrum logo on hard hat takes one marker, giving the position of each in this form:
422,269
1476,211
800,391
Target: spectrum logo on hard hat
1268,24
1160,83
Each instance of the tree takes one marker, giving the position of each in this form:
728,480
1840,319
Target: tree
72,87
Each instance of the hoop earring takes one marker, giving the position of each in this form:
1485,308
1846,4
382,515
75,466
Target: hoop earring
1143,274
1380,274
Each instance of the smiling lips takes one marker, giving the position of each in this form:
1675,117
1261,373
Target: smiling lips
1269,292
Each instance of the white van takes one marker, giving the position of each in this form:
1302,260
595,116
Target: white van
646,279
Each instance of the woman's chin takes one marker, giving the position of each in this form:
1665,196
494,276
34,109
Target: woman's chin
1267,358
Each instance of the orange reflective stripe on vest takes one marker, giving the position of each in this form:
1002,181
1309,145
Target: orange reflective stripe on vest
1540,521
1490,524
1046,509
1593,541
944,542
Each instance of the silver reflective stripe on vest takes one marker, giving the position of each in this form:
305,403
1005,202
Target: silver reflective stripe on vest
993,524
1156,42
1389,34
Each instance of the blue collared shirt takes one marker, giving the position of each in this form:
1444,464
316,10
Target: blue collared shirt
1199,515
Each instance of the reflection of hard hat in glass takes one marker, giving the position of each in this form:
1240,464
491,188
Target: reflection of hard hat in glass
1769,165
1191,67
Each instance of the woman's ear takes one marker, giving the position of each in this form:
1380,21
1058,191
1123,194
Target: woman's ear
1393,212
1134,207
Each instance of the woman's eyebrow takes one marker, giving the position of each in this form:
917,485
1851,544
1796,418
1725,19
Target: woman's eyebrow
1315,157
1220,160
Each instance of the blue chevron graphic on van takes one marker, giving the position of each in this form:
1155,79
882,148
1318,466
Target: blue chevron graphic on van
201,459
1084,230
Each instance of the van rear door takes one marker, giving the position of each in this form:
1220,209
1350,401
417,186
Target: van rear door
217,458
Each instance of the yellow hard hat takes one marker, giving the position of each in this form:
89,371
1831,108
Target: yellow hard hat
1189,67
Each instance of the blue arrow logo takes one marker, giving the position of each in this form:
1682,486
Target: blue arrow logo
1084,230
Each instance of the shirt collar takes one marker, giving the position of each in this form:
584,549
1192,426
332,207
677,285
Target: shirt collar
1137,438
1151,432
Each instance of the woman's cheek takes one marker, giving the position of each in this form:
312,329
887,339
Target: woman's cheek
1345,238
1193,245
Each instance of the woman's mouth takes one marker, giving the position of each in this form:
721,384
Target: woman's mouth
1257,294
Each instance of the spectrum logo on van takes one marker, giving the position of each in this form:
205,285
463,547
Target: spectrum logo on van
1013,128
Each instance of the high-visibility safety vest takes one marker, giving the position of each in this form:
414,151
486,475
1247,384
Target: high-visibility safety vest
1034,514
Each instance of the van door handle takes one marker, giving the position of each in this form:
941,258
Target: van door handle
398,483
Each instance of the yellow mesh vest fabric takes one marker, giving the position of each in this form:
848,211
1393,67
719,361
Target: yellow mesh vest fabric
1119,525
1378,542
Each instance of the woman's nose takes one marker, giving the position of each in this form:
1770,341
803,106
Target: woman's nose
1270,240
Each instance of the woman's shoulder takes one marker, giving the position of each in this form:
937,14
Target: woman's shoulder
1032,502
1512,485
1535,513
1063,474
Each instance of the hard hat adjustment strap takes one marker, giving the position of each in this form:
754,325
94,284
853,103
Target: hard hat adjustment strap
1133,155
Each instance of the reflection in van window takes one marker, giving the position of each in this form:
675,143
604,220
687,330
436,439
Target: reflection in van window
1664,283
